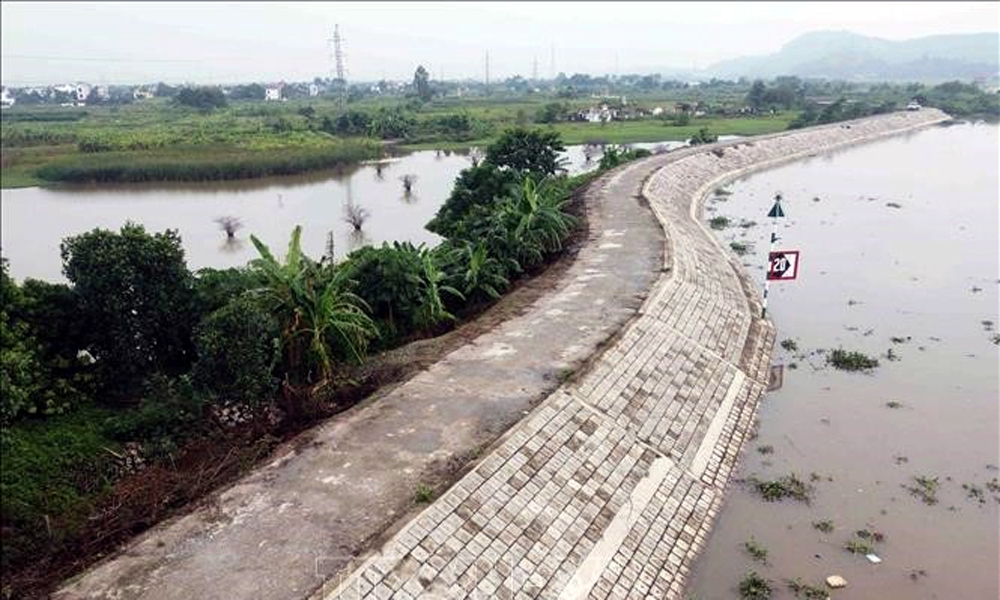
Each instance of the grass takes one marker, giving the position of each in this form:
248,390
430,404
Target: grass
754,587
54,471
788,486
924,488
851,361
424,494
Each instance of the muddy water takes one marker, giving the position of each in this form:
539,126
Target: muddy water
35,220
925,271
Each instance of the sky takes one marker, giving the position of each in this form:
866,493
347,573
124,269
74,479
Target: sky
227,42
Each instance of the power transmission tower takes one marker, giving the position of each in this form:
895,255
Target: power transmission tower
534,68
487,70
337,58
552,62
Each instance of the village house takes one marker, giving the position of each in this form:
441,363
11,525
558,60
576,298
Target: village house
81,92
313,90
6,99
142,94
273,91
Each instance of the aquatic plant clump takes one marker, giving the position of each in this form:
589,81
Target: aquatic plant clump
851,360
789,486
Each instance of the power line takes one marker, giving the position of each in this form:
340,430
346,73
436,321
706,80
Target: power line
122,60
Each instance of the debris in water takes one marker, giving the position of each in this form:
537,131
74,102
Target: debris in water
925,489
873,558
836,582
894,205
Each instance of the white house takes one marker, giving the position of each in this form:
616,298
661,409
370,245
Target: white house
657,111
142,94
103,92
313,90
273,91
82,91
6,100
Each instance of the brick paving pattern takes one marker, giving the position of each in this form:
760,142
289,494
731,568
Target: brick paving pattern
609,488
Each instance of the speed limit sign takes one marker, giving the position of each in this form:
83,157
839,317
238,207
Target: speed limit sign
783,265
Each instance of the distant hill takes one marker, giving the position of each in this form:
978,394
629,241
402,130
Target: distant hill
854,57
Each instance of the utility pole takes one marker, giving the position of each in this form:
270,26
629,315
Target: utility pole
534,68
487,70
337,58
552,61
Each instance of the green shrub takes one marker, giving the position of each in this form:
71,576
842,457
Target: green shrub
53,472
754,587
476,192
136,297
851,361
526,151
215,288
237,350
169,413
387,278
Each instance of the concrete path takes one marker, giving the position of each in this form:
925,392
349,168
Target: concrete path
606,489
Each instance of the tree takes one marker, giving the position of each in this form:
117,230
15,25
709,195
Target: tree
421,84
526,150
476,189
135,295
202,98
755,97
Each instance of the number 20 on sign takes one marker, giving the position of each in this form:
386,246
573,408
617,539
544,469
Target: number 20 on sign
783,265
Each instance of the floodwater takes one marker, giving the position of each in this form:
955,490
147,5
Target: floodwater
897,239
35,220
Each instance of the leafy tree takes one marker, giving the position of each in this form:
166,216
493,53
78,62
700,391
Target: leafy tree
703,137
387,278
477,188
390,123
755,97
252,91
202,98
319,319
551,112
135,295
421,84
215,288
237,352
526,150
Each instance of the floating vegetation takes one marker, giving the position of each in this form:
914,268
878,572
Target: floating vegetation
859,547
805,590
894,205
851,361
740,248
870,535
900,459
745,224
893,404
993,486
789,344
925,488
756,551
754,587
769,449
974,492
789,486
899,340
718,222
824,526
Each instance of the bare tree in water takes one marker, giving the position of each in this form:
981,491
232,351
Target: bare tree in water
355,215
230,225
408,181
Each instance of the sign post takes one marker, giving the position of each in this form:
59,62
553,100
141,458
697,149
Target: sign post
775,213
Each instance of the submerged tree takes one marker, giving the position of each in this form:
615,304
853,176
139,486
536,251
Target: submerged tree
408,181
230,225
355,215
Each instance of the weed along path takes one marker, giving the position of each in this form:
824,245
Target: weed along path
635,381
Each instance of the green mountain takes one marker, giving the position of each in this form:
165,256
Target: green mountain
853,57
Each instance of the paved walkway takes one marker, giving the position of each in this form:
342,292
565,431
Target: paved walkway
607,488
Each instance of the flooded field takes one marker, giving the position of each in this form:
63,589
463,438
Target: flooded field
899,261
35,220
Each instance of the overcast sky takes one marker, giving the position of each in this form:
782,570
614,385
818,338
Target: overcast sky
133,42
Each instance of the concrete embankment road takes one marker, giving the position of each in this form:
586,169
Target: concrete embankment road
609,485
